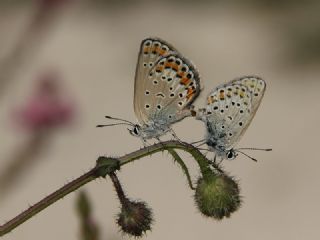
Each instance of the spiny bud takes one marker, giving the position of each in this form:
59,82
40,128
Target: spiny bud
217,196
135,218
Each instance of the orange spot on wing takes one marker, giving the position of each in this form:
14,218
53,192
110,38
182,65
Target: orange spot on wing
161,52
159,69
185,81
211,100
190,93
221,96
181,74
168,65
146,49
175,67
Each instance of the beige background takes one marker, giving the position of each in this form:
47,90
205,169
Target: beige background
95,50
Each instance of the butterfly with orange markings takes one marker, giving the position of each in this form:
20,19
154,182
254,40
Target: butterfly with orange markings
166,84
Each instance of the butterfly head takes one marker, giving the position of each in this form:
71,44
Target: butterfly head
231,154
135,130
220,150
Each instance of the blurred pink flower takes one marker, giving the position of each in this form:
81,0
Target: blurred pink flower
48,108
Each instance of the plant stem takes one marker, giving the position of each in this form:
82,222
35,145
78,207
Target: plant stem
47,201
117,185
104,168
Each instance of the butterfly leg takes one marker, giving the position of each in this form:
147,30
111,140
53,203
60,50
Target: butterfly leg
175,135
160,142
215,159
218,163
144,142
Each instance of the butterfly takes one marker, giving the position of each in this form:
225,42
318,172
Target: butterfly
165,86
229,111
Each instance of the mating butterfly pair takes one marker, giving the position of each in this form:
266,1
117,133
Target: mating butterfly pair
166,85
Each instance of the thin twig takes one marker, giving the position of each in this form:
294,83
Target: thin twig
47,201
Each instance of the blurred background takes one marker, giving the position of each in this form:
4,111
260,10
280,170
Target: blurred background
64,64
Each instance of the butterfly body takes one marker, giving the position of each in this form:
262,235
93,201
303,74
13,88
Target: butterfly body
230,109
152,130
166,84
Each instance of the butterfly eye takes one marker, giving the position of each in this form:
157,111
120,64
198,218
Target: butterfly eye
230,155
135,131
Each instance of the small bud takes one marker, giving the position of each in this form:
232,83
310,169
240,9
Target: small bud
217,196
135,218
89,230
83,205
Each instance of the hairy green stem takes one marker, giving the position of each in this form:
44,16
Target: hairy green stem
184,167
104,167
47,201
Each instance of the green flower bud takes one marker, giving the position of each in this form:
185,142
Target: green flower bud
83,205
217,196
135,218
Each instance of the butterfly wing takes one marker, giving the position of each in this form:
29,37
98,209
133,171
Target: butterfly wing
231,107
257,88
151,50
174,83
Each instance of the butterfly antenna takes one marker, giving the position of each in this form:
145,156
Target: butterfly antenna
113,124
199,145
198,141
253,159
119,119
259,149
